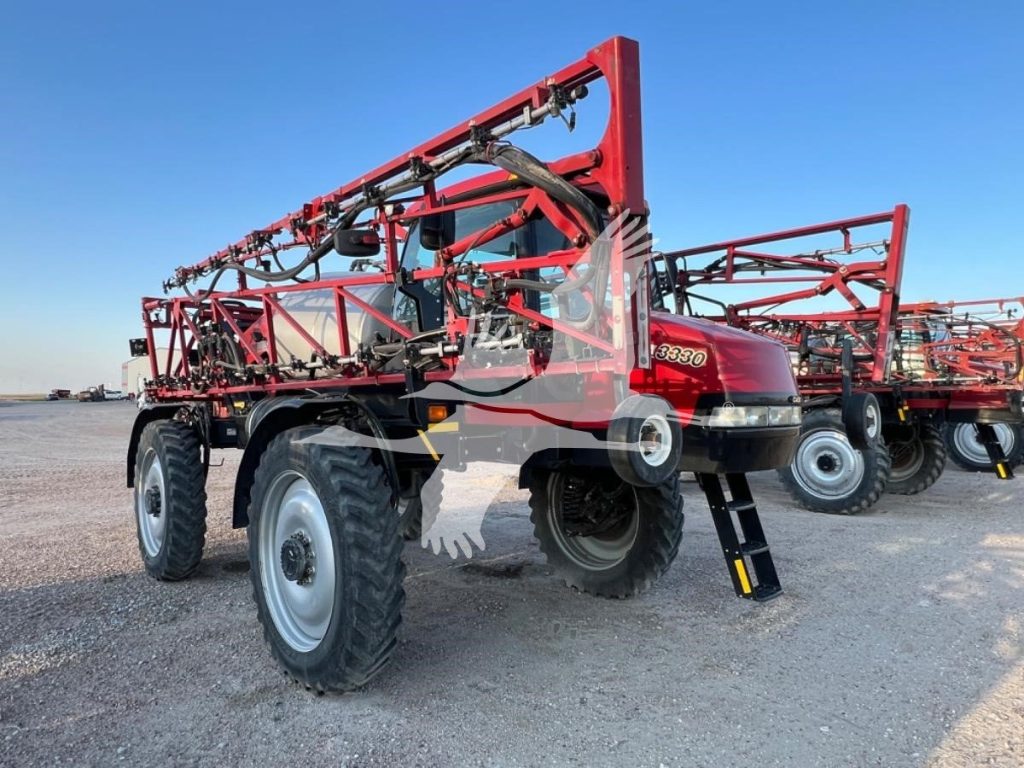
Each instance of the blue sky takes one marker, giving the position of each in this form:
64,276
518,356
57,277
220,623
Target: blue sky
138,136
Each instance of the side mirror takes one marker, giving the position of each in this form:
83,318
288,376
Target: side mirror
437,230
356,242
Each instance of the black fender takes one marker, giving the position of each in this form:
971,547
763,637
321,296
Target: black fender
273,415
145,416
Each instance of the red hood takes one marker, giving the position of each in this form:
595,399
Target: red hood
735,365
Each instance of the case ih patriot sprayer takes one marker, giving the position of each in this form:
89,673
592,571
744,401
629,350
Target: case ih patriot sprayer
879,379
980,338
507,317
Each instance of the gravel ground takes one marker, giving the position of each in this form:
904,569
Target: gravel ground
898,641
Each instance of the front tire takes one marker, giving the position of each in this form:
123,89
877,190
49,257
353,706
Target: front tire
862,420
828,474
326,560
602,535
170,500
918,460
645,441
967,452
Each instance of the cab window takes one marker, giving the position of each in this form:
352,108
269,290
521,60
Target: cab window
420,305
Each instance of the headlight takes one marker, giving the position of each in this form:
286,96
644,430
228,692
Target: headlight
755,416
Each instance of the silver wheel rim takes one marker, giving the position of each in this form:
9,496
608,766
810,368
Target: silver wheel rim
968,443
151,503
827,466
872,422
594,553
300,609
655,440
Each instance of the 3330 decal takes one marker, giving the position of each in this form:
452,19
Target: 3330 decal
681,355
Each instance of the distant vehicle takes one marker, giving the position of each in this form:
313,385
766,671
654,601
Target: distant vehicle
52,396
114,394
91,395
59,394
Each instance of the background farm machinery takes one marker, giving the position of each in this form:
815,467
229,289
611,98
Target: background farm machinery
976,340
886,386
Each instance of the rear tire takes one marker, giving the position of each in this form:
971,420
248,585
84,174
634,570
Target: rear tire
635,531
967,453
828,474
170,500
326,560
917,462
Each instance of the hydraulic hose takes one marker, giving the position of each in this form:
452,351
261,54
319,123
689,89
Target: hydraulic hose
534,172
523,284
530,170
312,257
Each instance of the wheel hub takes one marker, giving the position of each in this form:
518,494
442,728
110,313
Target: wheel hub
655,440
872,421
297,559
153,501
827,466
595,521
593,510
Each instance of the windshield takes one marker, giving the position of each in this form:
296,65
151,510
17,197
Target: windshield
419,305
468,221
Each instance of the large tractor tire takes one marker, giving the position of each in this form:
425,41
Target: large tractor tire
967,452
326,560
828,474
170,500
917,460
602,535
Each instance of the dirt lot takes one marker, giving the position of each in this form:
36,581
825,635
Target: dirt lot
898,641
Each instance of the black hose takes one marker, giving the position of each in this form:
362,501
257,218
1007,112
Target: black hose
529,285
312,257
531,170
534,172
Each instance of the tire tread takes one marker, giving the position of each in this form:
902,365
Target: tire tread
375,594
662,504
185,505
864,497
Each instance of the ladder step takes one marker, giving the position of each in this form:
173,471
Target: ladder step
766,592
990,440
756,579
742,505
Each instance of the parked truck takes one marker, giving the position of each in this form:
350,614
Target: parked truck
92,395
